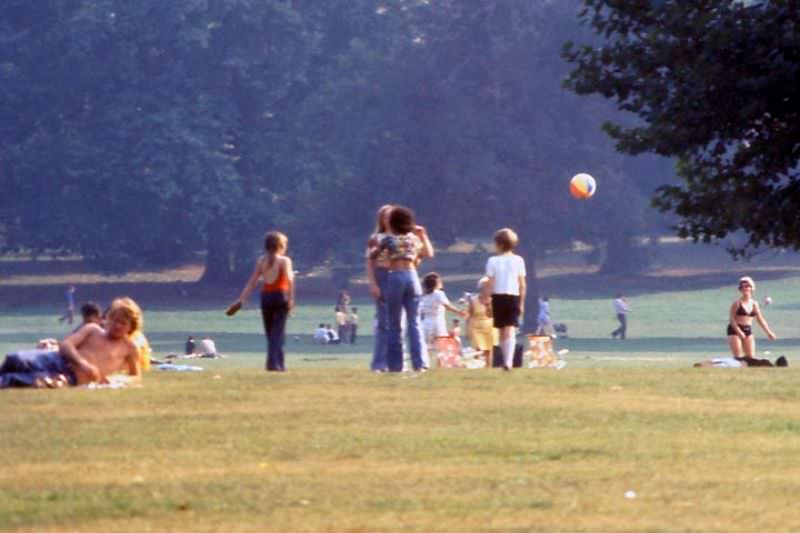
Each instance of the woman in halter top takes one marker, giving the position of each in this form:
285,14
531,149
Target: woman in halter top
740,326
274,269
405,244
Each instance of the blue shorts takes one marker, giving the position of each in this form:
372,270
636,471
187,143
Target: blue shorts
24,368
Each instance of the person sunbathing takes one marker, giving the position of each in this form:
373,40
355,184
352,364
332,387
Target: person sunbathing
88,355
740,362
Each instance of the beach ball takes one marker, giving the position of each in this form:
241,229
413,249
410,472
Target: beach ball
582,186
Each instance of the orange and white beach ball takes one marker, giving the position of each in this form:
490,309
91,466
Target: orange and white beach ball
582,186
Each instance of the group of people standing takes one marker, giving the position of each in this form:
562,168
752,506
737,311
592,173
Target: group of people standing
394,251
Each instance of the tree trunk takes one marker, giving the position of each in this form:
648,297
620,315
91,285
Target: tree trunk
219,266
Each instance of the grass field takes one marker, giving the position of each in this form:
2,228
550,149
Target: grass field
329,446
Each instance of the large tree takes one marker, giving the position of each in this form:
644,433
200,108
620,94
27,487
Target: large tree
140,132
714,83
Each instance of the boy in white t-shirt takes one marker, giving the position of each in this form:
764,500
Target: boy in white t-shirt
506,273
432,308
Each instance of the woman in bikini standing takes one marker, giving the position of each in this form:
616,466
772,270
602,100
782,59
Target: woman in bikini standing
740,326
277,295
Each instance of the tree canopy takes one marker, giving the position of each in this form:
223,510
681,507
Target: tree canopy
713,83
142,132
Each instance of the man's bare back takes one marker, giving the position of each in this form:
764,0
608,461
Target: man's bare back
94,353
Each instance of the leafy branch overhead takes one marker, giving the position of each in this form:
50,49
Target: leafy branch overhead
713,83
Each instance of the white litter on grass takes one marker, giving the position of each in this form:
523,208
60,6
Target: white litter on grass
169,367
475,364
115,381
562,352
630,495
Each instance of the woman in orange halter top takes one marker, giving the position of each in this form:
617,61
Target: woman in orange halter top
277,295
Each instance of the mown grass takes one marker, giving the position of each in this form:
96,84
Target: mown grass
345,450
331,447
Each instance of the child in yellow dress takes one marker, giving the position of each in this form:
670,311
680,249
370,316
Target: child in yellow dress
481,332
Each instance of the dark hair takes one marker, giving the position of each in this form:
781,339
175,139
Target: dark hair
322,325
505,239
90,309
430,281
355,310
781,361
401,220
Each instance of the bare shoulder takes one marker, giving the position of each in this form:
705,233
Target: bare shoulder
85,332
130,346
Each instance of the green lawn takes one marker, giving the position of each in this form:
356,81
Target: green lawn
347,450
666,329
330,446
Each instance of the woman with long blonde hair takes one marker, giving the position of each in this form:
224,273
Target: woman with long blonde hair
377,274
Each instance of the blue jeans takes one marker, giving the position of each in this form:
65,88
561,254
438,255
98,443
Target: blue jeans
23,368
402,293
381,329
274,311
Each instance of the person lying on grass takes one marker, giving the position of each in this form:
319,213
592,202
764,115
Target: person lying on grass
88,355
740,362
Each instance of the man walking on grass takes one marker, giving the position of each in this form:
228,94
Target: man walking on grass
622,309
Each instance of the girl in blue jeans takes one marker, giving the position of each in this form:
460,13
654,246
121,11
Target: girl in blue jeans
405,245
277,296
378,274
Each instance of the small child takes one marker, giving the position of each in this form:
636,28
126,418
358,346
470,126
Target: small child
544,324
321,334
481,332
333,337
432,307
341,321
455,334
506,273
352,324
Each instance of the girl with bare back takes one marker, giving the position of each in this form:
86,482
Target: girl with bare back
274,268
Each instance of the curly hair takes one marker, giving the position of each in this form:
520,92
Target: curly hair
129,310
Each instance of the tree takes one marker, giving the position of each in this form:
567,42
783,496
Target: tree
141,132
712,83
456,109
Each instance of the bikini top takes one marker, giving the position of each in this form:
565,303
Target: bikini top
741,311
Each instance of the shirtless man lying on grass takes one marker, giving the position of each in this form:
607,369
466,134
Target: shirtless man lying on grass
740,362
88,355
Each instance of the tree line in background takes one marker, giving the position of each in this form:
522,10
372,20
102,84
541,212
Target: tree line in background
139,133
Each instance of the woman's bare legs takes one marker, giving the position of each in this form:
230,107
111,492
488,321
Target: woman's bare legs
749,345
736,345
